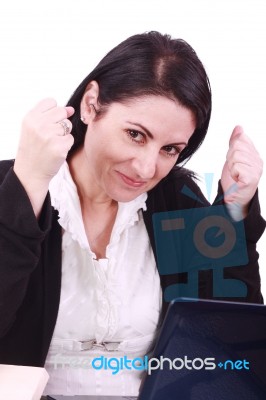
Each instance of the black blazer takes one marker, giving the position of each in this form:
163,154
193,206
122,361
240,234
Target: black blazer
30,262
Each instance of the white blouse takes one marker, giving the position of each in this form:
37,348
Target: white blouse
108,307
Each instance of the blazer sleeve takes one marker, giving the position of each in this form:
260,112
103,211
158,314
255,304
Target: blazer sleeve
245,277
21,236
254,226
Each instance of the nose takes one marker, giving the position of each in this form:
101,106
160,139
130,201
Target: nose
144,165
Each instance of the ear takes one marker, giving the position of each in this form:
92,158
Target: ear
89,102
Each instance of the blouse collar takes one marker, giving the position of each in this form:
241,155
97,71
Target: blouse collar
65,199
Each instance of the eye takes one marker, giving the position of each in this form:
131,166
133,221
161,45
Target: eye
172,151
136,136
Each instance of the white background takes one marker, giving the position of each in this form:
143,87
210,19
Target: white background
48,47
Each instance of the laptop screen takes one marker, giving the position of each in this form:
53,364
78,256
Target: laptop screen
209,350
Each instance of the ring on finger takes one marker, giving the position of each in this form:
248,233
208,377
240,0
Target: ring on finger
65,126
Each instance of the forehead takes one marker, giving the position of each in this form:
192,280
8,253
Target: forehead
156,113
150,102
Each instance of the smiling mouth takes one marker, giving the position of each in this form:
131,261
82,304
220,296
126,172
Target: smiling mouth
131,182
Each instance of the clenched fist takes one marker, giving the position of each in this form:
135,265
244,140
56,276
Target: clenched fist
241,172
43,147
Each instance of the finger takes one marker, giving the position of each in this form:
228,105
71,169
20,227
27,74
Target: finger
66,127
242,142
68,142
49,104
46,104
245,157
244,175
238,130
244,149
57,114
62,145
246,166
240,139
70,111
241,166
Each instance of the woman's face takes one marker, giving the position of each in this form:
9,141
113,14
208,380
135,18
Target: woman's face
133,146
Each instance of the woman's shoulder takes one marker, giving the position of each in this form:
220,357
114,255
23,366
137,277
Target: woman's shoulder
180,174
179,189
177,180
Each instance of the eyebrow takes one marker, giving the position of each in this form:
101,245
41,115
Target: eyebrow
150,134
142,127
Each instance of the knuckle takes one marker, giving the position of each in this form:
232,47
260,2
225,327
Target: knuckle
49,102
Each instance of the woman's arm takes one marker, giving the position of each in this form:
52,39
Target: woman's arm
21,236
42,149
25,211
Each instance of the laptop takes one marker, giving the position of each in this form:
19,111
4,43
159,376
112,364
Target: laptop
209,350
206,349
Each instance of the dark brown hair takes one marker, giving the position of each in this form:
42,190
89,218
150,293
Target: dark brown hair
150,64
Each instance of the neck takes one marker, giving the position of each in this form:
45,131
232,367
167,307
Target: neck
98,210
90,193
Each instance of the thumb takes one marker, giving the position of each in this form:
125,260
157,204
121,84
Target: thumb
70,111
238,130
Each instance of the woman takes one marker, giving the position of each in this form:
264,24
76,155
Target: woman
79,277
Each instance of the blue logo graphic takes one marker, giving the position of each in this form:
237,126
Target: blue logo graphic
209,181
232,365
193,240
117,364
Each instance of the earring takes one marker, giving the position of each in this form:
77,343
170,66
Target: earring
82,119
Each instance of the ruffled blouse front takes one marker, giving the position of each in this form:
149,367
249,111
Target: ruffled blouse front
108,306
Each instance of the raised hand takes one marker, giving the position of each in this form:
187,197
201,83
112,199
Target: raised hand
43,147
241,172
